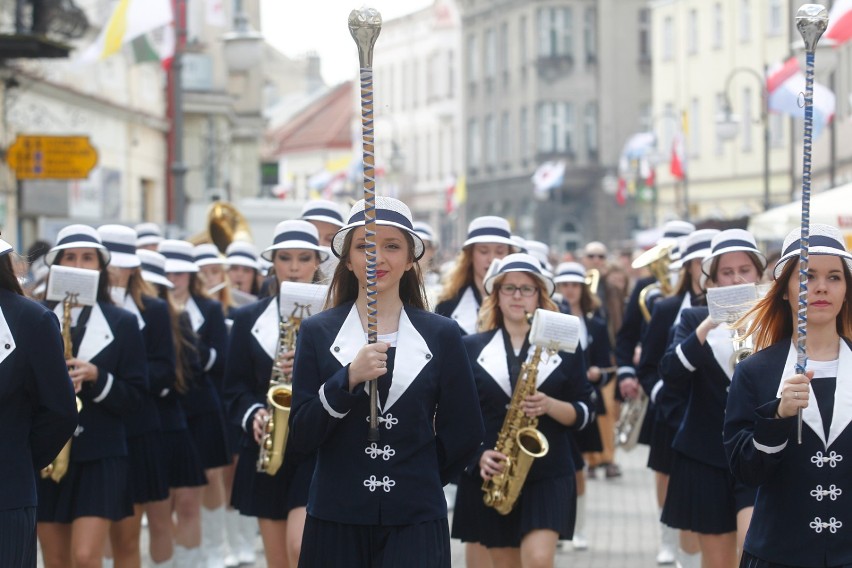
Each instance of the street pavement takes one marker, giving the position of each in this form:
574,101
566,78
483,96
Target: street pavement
622,522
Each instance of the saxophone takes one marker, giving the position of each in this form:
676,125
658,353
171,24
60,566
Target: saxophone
59,466
279,398
519,440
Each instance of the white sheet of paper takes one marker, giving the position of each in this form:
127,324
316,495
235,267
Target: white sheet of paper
65,280
301,300
555,330
730,302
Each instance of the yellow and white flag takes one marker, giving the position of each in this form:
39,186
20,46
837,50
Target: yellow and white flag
129,20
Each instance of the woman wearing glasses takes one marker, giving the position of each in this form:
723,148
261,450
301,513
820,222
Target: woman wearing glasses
545,510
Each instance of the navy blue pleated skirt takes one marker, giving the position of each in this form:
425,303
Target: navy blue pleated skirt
208,433
747,560
468,506
148,472
96,488
270,496
703,498
184,464
589,438
661,453
234,435
576,455
421,545
18,538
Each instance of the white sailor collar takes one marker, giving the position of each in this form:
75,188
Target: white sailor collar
721,342
196,318
129,305
842,396
684,305
493,360
412,352
467,311
585,338
7,340
265,329
97,335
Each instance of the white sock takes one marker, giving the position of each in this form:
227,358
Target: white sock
213,536
686,560
580,521
248,531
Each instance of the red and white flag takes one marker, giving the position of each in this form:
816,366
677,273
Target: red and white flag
677,164
840,22
785,83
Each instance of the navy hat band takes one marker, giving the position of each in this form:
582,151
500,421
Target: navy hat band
153,269
205,256
384,215
295,236
695,247
177,256
244,255
120,247
324,213
571,273
148,234
519,265
733,243
674,234
489,232
816,241
78,238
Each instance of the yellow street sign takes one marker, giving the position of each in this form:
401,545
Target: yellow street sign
52,157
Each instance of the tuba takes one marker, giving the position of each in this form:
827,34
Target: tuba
59,466
657,260
225,224
519,440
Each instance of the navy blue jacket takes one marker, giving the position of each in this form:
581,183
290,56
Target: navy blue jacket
38,413
631,332
463,308
562,376
803,511
430,424
205,392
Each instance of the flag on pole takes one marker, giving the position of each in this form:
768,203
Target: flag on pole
785,83
129,20
677,164
621,192
840,22
547,176
156,46
456,194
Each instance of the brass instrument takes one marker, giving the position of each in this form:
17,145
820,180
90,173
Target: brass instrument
629,423
225,224
59,466
743,344
657,260
593,279
519,441
279,397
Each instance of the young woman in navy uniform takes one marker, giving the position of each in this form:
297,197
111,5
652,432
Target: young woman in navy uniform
110,372
702,495
664,318
545,510
488,238
381,503
185,470
577,299
38,413
203,401
148,472
326,217
277,501
802,512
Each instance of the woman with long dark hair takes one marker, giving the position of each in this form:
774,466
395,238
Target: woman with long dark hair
802,509
37,410
381,503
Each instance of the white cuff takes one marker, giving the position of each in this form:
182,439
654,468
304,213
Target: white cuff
327,406
106,390
658,386
768,449
626,371
586,414
211,360
683,360
251,409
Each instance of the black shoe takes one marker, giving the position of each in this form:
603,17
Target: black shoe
611,470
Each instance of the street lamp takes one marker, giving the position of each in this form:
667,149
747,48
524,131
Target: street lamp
727,124
243,46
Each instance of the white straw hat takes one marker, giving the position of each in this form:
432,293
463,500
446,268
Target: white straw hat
425,231
322,210
675,229
295,234
390,212
570,272
179,255
242,253
698,244
732,240
520,243
77,236
153,266
206,254
822,240
489,229
541,251
520,262
148,234
120,241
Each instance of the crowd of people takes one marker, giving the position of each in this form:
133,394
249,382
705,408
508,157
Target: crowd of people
160,383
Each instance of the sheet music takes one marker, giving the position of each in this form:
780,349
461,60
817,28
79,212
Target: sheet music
65,280
730,302
554,330
298,299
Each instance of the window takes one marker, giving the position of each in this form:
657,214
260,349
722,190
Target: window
505,139
774,26
692,33
451,74
523,55
747,120
718,26
668,39
472,60
644,34
694,127
745,21
556,128
490,66
721,107
490,142
590,34
645,117
555,32
590,123
776,130
670,125
503,46
523,139
474,145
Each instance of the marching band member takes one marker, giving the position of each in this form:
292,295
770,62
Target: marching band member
148,475
186,472
202,402
325,215
488,238
802,509
431,277
37,411
578,300
277,501
381,504
148,236
110,373
664,317
243,269
545,510
702,494
212,271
